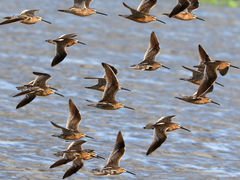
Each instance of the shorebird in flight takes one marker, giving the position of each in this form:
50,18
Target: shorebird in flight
100,86
37,87
76,154
149,63
161,127
71,132
25,17
204,57
82,8
141,15
109,101
113,164
183,10
66,40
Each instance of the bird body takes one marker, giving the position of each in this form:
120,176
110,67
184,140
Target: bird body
149,63
163,125
141,15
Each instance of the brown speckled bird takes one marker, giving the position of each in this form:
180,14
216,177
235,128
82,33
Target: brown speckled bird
161,127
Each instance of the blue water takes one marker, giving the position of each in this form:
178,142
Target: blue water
210,151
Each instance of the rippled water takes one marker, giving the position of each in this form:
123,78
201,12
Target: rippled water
210,151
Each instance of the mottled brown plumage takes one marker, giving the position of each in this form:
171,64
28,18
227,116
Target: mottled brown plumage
82,8
109,102
66,40
113,164
37,87
141,15
149,63
161,127
71,132
25,17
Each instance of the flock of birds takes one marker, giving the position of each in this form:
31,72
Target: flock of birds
205,76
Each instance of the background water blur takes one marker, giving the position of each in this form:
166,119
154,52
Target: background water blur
210,151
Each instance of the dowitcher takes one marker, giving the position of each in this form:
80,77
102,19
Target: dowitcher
82,8
76,154
141,15
161,127
149,63
196,78
37,87
25,17
199,100
206,85
204,57
66,40
71,132
183,10
113,164
100,86
109,101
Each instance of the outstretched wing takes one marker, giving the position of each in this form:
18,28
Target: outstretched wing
117,153
26,100
181,6
112,85
153,49
61,53
146,6
74,118
160,137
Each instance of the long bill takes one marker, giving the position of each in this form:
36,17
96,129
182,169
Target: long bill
100,157
165,67
130,173
59,94
125,89
82,43
89,136
185,129
200,18
128,107
234,66
46,21
97,12
215,103
219,84
160,21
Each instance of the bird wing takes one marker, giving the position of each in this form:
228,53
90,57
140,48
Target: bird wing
160,137
194,72
74,118
79,4
146,6
13,19
117,153
153,49
41,79
209,90
29,12
64,130
181,6
204,57
165,119
112,86
61,53
77,164
87,3
68,36
76,145
207,81
194,4
27,99
224,71
133,11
